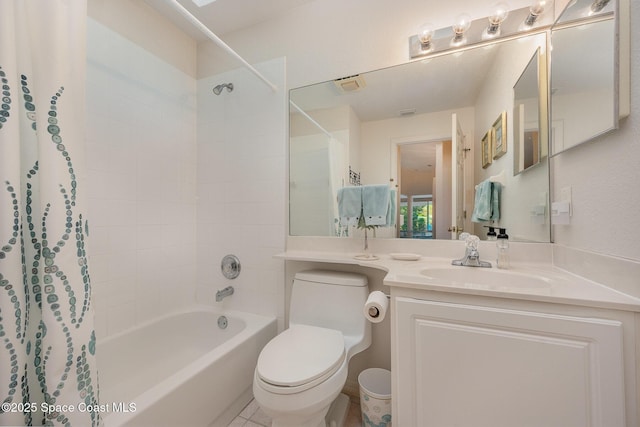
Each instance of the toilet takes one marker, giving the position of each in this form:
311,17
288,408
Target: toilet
301,371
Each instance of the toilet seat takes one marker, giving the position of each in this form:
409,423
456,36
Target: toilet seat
300,358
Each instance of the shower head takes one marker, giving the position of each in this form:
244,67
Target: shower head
218,89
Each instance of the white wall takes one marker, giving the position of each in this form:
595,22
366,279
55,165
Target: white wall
141,155
144,26
241,188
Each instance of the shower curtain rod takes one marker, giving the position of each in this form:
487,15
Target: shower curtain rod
184,12
301,111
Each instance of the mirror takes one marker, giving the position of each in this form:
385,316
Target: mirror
359,128
584,77
529,115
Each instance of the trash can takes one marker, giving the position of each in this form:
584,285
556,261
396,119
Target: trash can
375,397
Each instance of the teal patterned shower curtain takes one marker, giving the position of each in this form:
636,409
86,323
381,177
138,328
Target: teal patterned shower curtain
48,371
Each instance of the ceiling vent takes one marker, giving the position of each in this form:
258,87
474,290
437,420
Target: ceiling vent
350,84
407,112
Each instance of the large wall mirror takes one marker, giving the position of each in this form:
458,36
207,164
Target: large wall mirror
420,128
587,68
439,130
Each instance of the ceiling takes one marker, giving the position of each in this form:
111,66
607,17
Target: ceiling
225,16
444,83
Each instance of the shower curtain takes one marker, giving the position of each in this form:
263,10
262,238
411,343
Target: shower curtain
47,343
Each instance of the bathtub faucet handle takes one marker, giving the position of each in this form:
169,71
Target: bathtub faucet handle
223,293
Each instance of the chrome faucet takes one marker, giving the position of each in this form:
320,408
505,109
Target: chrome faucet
471,256
223,293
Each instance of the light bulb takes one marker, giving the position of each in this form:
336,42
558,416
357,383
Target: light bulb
536,9
425,34
499,14
461,24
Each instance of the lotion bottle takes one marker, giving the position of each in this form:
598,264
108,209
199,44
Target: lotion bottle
503,249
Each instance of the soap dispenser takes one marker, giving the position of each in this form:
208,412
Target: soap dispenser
491,234
503,249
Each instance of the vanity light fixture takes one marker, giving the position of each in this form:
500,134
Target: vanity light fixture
499,14
537,9
598,5
425,34
460,27
466,31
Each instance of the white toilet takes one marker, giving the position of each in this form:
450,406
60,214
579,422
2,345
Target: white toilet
301,371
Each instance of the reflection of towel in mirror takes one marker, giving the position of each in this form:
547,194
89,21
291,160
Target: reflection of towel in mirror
391,213
487,202
349,205
375,204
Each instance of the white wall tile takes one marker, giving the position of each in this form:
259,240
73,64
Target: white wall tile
142,160
241,191
179,178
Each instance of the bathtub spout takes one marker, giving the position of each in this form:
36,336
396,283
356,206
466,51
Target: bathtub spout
221,294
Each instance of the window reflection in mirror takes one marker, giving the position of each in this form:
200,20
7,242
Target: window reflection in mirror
417,188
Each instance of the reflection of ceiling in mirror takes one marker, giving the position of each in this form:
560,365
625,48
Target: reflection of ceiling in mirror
574,47
437,84
418,157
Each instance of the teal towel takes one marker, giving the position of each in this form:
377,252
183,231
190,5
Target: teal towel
487,202
391,214
375,204
349,205
496,189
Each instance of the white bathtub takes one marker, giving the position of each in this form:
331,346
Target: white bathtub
181,369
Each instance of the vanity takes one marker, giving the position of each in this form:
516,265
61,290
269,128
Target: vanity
529,346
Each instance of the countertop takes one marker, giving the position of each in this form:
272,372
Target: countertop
543,281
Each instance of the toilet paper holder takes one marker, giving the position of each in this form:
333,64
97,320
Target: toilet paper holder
374,311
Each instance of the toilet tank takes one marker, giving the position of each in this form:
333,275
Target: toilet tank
330,299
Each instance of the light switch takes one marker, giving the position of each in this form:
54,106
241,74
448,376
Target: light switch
560,212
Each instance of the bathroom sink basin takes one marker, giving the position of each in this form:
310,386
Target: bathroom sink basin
484,278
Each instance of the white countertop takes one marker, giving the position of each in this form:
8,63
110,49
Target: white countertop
556,285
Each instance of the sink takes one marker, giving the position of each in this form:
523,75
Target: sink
483,278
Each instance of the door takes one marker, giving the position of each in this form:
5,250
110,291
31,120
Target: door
457,178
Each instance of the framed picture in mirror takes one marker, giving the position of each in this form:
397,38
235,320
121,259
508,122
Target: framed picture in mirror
486,148
500,135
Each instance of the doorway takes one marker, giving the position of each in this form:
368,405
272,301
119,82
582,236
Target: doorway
425,188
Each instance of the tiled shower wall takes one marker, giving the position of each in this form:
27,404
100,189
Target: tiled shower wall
141,156
241,185
166,205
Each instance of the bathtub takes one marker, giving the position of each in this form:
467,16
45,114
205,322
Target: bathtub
181,369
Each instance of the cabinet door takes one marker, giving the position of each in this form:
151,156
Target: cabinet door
463,365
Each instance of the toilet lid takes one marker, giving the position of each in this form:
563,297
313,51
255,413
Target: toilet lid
300,355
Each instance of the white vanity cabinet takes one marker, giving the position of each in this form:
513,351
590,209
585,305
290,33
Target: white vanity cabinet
472,362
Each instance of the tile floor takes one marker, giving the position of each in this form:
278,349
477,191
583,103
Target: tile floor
252,416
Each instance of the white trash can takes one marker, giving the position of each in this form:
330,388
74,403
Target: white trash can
375,397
